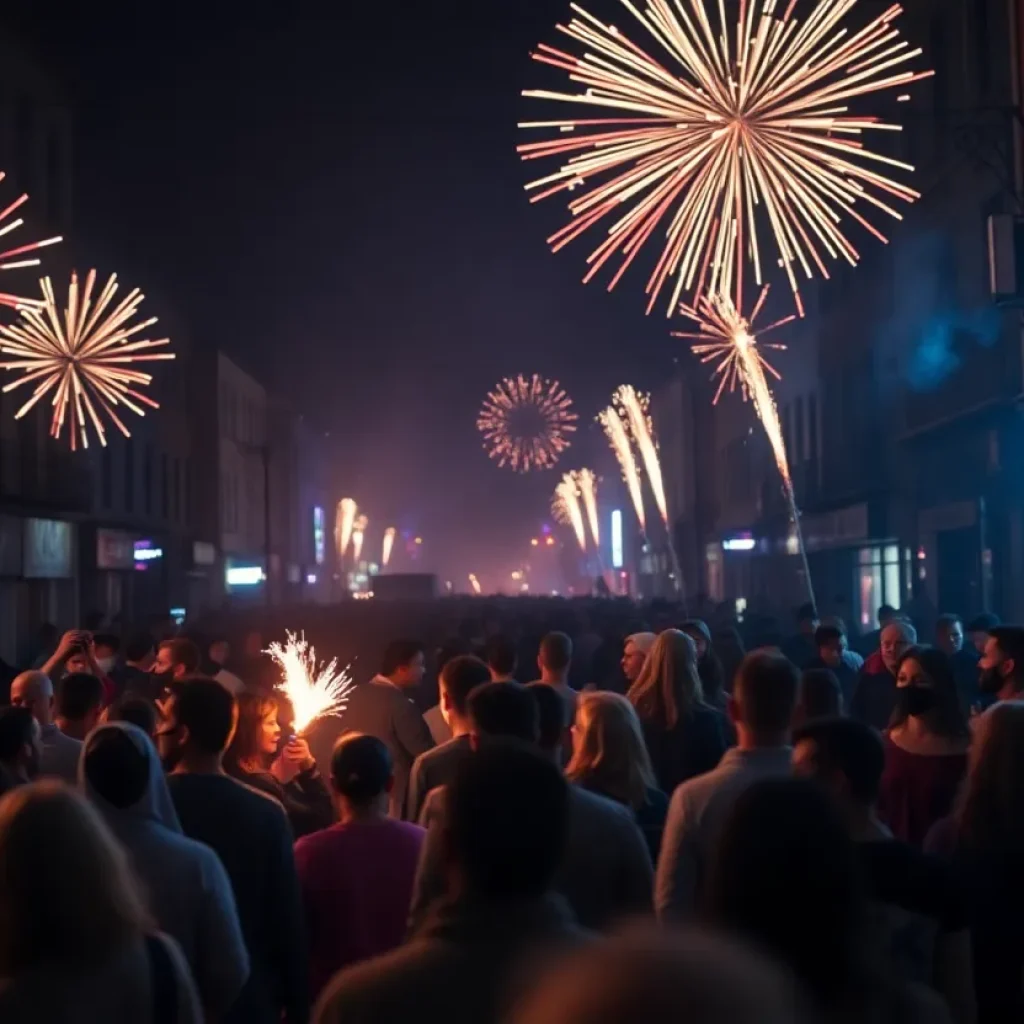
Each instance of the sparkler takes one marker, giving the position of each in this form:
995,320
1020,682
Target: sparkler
587,483
566,507
83,361
619,438
344,520
732,117
389,543
9,260
313,690
358,536
526,423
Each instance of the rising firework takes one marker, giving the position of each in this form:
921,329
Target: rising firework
313,690
566,508
389,543
587,483
474,583
82,361
730,117
358,537
526,423
9,259
633,408
344,521
619,438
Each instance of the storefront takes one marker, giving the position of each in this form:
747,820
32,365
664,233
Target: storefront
46,592
124,574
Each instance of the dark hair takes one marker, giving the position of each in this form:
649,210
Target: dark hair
1010,640
709,665
786,877
138,645
947,620
245,745
15,732
460,677
949,714
207,710
765,690
500,654
886,611
806,612
552,715
824,635
505,820
849,748
360,767
983,623
183,652
78,695
504,709
821,696
115,767
135,710
398,654
556,652
106,640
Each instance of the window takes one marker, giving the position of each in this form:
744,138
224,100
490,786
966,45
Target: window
879,582
129,476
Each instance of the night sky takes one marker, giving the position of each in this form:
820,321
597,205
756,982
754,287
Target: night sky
331,194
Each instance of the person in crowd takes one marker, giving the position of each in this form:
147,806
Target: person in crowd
440,731
874,696
249,832
383,708
850,657
802,647
761,709
1001,667
925,746
176,659
74,655
19,747
188,890
436,767
105,648
634,654
922,917
786,878
685,737
870,642
136,710
76,942
820,696
709,668
605,874
502,658
288,773
554,659
610,758
653,977
58,755
135,676
470,961
357,876
831,644
218,653
984,838
949,638
979,628
79,704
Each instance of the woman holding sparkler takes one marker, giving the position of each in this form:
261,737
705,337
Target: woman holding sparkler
288,773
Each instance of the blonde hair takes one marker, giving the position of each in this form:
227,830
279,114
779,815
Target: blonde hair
609,753
668,685
67,892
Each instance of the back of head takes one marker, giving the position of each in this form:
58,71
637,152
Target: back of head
17,728
765,693
79,694
505,822
500,655
556,653
207,710
460,677
668,685
115,769
825,635
109,643
136,711
398,654
654,977
138,646
886,613
183,652
504,709
785,877
984,623
552,715
807,613
67,890
846,748
821,696
360,768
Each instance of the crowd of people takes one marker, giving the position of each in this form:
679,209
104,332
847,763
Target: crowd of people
687,830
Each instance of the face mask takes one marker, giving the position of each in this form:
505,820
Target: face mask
106,664
989,680
916,700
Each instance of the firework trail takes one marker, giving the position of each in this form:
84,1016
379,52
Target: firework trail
587,483
618,436
358,536
634,407
344,521
9,259
389,543
566,507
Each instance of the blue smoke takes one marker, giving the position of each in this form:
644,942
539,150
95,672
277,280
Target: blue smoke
945,339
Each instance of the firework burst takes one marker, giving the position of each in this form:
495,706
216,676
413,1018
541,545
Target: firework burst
313,690
9,259
618,436
732,118
526,423
83,360
567,510
587,483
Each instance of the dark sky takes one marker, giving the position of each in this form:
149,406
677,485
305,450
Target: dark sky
331,193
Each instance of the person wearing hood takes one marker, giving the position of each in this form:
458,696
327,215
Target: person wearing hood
709,667
189,892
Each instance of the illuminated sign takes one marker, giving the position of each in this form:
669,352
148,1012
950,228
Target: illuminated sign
741,542
311,578
145,552
244,575
178,615
617,539
318,535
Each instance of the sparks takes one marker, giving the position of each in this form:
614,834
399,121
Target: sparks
566,507
733,124
389,543
633,408
83,360
619,438
10,260
358,537
526,423
587,482
344,520
313,691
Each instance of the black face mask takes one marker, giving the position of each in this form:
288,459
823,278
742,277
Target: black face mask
989,680
916,700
